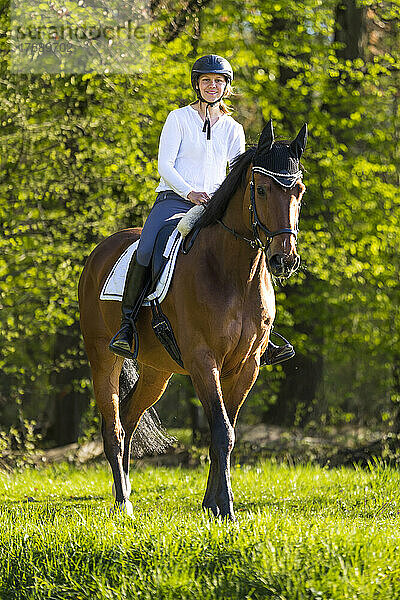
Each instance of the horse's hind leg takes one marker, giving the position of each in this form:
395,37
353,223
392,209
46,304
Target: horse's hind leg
105,372
148,390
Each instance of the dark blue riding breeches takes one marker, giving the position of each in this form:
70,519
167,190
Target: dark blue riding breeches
169,207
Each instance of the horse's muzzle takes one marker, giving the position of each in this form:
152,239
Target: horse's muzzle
283,265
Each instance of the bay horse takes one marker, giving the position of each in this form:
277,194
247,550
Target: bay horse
221,306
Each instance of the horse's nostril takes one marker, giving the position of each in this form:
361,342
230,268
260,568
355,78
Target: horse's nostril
283,266
276,263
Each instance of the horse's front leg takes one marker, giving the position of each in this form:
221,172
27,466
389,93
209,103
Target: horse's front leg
210,497
236,387
206,380
222,442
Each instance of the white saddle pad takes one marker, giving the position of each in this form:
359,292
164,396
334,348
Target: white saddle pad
113,287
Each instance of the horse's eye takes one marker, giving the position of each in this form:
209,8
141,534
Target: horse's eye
260,190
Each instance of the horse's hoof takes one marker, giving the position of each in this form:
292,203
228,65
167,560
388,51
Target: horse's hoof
229,518
125,508
211,509
227,514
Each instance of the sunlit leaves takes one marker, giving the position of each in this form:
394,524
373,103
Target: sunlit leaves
78,157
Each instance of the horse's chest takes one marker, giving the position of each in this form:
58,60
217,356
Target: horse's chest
242,324
226,313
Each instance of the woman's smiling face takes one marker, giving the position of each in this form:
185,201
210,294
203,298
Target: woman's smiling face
212,86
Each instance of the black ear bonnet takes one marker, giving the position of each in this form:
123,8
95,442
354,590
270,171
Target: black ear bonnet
280,160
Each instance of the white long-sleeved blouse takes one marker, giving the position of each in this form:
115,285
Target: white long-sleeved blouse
187,161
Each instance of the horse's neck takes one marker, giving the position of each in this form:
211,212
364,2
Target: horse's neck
236,213
243,263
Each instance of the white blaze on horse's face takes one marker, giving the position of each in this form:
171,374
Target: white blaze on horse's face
279,208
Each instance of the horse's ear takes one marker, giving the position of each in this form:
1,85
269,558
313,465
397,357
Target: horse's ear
266,138
298,145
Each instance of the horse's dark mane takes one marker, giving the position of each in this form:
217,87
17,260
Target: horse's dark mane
216,207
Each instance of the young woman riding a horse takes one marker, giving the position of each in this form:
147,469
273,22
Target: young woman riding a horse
221,302
192,164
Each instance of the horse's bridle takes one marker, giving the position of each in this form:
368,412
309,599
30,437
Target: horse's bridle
256,224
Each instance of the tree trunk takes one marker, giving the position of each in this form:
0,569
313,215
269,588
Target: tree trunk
68,406
351,30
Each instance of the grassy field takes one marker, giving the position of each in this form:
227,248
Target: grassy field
304,532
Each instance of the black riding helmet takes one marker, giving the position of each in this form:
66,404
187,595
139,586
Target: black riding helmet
211,63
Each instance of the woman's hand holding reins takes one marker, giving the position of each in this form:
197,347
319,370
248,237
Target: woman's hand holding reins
198,197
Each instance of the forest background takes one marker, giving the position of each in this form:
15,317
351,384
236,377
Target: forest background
78,159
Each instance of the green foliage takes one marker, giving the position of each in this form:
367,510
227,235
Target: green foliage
78,162
342,309
17,445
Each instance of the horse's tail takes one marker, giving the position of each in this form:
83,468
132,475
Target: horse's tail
150,436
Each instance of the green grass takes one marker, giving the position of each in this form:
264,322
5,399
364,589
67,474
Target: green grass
304,532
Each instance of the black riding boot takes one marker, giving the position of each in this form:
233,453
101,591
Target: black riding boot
135,290
277,354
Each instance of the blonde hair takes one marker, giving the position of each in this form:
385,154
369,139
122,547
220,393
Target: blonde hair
228,92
